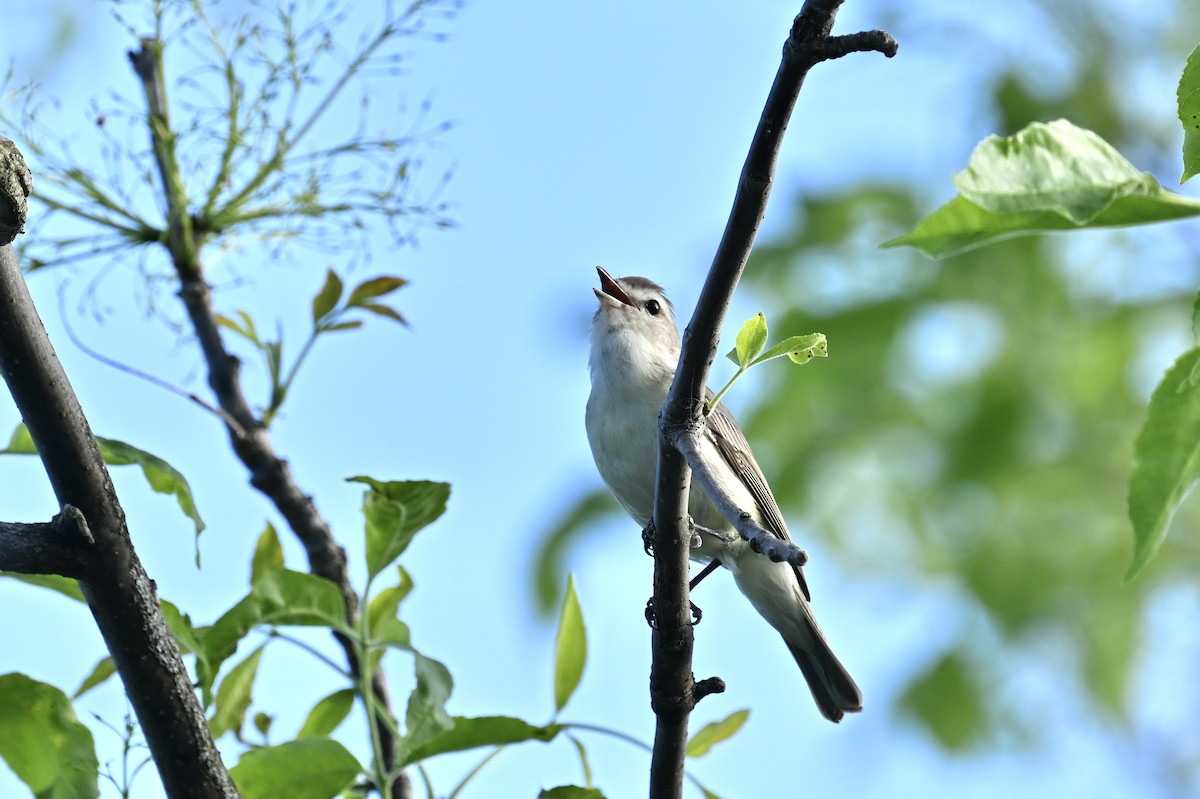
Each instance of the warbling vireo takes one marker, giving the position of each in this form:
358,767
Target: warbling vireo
635,350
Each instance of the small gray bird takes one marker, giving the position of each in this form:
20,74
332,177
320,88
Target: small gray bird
635,350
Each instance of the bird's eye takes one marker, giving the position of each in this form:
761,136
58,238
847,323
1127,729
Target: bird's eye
653,307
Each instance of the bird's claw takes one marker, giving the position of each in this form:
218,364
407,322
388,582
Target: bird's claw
648,538
652,620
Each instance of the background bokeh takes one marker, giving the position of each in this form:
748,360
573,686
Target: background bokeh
956,468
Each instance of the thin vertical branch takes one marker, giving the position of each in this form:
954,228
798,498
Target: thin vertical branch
673,688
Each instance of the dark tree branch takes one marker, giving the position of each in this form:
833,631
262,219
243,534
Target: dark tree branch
673,690
59,546
269,473
118,591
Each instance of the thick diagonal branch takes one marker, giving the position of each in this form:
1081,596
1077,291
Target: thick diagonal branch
118,591
672,686
269,473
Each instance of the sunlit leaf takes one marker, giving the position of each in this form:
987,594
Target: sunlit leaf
570,648
1166,458
570,792
1048,177
1188,95
427,718
63,585
328,714
798,349
714,732
751,339
395,512
309,768
43,742
471,733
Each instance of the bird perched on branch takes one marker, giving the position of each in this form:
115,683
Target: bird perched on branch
634,353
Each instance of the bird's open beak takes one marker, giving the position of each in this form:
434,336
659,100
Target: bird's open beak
610,293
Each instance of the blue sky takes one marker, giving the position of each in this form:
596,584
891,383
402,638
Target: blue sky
612,134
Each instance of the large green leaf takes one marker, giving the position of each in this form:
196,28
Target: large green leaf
162,476
471,733
570,648
310,768
395,512
66,586
1048,177
268,554
1166,458
279,598
1188,95
43,742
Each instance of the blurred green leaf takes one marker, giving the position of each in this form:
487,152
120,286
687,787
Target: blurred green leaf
234,696
386,603
570,648
43,742
1188,95
268,554
386,311
948,701
103,669
395,512
327,298
374,287
1166,459
570,792
550,559
310,768
714,732
1048,177
471,733
262,723
279,598
751,339
328,714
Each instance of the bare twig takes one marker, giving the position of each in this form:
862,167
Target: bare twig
58,546
249,438
121,596
673,689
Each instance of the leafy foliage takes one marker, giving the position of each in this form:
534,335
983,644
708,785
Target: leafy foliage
43,742
570,649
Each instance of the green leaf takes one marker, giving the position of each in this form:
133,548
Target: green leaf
349,324
1047,177
234,696
471,733
395,512
1188,95
263,722
63,585
181,627
799,349
385,604
386,311
310,768
103,669
1166,458
570,648
751,339
280,598
43,742
716,731
570,792
948,700
161,476
245,328
554,544
427,718
326,299
328,714
374,287
268,554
